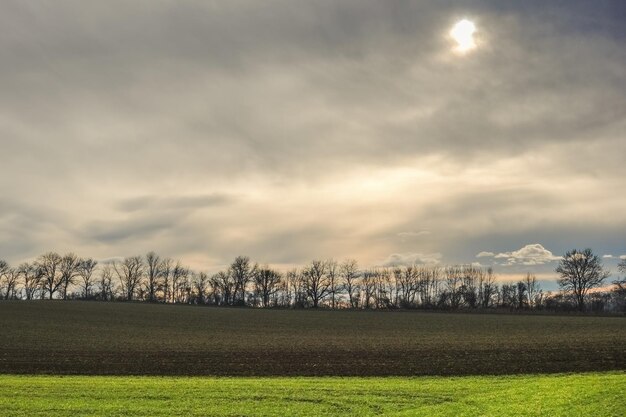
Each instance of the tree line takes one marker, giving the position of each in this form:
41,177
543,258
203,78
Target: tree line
320,283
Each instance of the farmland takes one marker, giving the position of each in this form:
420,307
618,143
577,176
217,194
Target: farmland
144,339
530,395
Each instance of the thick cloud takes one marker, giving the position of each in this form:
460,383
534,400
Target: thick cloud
291,130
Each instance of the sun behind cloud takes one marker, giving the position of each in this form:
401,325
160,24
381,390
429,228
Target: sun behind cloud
463,34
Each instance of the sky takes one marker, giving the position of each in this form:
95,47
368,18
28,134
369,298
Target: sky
296,130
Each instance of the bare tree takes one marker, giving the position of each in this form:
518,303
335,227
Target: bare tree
533,290
49,264
180,275
200,284
453,282
316,282
407,280
620,287
69,269
106,283
487,288
332,272
223,287
429,284
154,273
8,280
31,279
242,272
166,274
349,273
130,273
266,282
580,272
86,269
521,294
296,288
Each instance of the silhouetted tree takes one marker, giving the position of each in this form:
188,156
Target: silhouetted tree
130,273
349,273
86,269
266,283
580,271
31,275
180,275
224,287
154,273
316,282
50,264
242,272
332,270
533,290
8,281
620,287
106,292
69,268
200,284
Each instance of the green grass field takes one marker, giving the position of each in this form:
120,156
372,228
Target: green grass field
119,338
596,394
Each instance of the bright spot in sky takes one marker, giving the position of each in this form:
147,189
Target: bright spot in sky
463,33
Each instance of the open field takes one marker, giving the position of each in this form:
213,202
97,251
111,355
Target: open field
598,395
118,338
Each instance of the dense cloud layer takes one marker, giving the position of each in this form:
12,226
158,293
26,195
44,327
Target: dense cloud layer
291,130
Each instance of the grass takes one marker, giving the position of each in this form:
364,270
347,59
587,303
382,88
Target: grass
595,394
118,338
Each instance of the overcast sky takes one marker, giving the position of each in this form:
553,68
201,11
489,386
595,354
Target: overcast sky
292,130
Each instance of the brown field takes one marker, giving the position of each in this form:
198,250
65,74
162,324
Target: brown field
117,338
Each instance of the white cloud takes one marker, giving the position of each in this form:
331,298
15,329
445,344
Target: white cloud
399,259
409,235
608,256
533,254
622,257
484,254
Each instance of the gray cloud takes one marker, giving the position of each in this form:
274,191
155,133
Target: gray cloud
291,130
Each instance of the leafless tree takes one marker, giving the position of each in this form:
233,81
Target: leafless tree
86,269
224,287
296,288
332,270
581,271
533,290
407,280
31,279
106,292
242,272
154,273
470,278
429,284
50,265
316,282
349,273
487,288
620,287
266,283
200,284
69,269
130,273
521,294
8,281
453,282
166,278
180,275
368,287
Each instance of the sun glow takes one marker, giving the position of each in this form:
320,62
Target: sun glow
463,34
